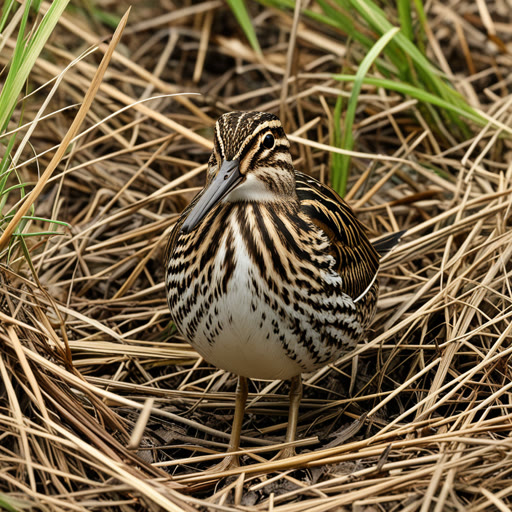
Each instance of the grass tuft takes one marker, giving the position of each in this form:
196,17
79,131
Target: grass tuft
402,66
27,48
340,177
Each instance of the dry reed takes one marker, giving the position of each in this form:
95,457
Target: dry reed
104,407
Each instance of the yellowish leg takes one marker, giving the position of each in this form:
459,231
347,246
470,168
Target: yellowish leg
293,416
232,461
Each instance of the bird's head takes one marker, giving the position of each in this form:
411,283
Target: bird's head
250,161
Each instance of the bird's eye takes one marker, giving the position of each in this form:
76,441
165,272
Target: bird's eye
268,141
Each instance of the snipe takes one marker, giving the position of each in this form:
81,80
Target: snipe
268,272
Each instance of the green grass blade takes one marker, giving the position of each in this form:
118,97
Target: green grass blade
107,18
12,88
30,41
419,94
38,233
404,15
336,158
25,57
340,20
429,76
347,142
240,11
377,20
6,10
10,504
42,219
332,17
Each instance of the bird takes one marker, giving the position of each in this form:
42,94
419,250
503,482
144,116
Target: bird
268,272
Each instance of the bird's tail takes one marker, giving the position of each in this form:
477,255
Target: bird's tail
385,243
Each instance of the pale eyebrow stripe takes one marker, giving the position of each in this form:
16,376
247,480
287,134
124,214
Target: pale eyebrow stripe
220,141
274,123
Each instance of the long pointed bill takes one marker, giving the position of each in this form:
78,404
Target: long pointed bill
226,180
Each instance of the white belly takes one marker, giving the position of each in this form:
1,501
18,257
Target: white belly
242,328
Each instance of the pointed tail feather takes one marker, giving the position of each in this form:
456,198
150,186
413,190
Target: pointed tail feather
384,244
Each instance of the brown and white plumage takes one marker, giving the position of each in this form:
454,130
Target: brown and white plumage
269,274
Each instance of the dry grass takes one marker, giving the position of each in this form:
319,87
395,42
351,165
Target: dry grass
104,407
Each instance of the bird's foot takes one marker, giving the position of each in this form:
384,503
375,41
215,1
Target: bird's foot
227,463
285,453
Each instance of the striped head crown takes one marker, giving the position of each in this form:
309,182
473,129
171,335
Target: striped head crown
236,132
250,161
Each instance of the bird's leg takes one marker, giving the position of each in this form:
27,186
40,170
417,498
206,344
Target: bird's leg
232,461
293,417
240,399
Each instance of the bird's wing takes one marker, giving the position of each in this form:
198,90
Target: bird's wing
357,261
385,243
171,241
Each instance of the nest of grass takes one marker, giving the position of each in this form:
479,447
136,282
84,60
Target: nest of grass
103,406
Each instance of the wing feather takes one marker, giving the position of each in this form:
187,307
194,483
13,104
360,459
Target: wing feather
173,237
357,262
